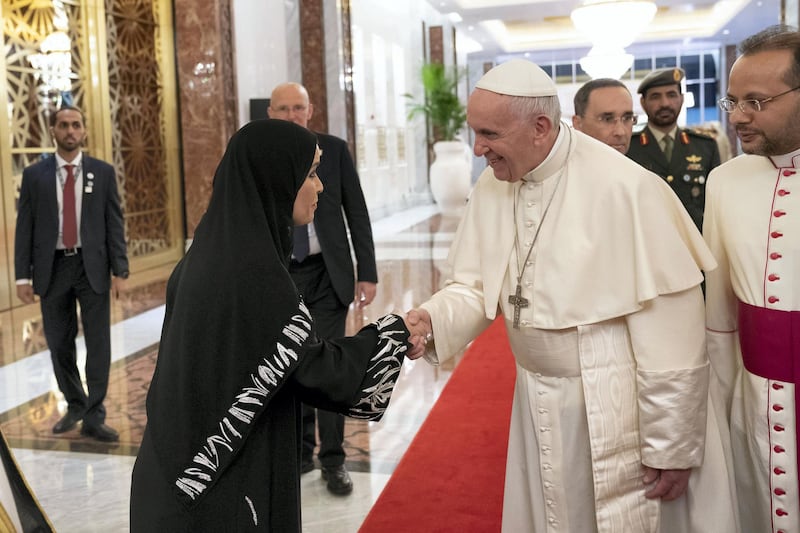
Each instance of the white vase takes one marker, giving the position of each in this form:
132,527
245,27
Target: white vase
450,176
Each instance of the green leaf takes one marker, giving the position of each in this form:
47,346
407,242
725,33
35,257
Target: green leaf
441,105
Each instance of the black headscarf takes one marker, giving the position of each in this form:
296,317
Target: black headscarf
229,300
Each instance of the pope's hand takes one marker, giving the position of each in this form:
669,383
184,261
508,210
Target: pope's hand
666,484
418,322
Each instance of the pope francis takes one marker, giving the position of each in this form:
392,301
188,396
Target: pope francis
596,268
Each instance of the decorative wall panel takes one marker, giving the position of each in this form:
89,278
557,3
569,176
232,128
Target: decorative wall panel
312,49
137,125
26,23
120,71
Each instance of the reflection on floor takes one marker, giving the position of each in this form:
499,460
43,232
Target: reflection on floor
84,485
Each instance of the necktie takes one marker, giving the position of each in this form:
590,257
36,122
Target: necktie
70,227
668,147
300,250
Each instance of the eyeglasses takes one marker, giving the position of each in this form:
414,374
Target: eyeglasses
299,108
748,106
628,119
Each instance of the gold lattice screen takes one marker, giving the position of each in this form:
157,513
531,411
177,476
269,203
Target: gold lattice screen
136,96
123,64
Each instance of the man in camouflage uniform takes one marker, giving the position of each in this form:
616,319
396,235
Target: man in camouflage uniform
681,156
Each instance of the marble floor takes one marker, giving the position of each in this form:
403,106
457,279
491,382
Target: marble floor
83,485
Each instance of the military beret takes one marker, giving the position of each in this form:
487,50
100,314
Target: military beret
662,76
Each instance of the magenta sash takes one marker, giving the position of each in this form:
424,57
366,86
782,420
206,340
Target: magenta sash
770,343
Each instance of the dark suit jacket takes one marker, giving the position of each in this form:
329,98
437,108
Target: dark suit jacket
693,157
342,198
102,227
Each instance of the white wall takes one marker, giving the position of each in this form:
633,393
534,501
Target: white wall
387,55
267,48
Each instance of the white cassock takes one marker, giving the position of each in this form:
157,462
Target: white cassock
611,365
752,225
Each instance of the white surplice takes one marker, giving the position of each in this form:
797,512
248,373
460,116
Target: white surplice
752,225
611,364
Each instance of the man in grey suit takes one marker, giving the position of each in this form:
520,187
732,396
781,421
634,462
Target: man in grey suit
70,237
322,268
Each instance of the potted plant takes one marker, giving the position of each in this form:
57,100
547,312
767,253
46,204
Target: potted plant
450,172
441,106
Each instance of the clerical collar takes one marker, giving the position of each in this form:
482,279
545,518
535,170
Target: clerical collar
790,160
555,160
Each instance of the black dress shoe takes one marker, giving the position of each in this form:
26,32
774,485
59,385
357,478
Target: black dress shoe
67,422
100,432
338,479
306,467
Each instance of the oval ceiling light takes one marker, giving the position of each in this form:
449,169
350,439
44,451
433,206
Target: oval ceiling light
613,23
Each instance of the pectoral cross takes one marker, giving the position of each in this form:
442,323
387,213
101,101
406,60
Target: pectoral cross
518,302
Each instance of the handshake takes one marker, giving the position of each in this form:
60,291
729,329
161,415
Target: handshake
418,322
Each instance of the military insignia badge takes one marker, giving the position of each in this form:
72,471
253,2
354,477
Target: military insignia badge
677,75
694,162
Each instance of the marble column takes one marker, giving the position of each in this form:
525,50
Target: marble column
347,68
207,96
436,43
312,50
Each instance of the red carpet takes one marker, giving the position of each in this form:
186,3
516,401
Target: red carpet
451,477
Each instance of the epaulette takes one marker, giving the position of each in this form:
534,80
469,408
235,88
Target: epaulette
701,133
644,140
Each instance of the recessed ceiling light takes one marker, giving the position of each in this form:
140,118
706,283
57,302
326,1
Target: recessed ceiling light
470,28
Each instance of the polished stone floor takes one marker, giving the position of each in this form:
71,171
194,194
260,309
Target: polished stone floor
83,486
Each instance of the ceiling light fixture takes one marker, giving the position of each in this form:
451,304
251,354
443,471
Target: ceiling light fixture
611,25
53,64
604,62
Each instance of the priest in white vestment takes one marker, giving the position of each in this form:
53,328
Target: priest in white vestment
752,225
596,268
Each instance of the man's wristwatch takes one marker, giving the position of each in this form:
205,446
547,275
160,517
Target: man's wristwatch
124,275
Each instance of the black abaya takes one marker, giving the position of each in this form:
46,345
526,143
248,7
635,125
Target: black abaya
238,355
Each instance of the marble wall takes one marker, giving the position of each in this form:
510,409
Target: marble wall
207,92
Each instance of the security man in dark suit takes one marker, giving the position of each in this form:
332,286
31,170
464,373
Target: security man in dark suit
70,238
322,268
681,156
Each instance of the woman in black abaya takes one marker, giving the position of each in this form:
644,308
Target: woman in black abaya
238,354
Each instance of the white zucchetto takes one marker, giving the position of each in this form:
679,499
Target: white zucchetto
518,77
